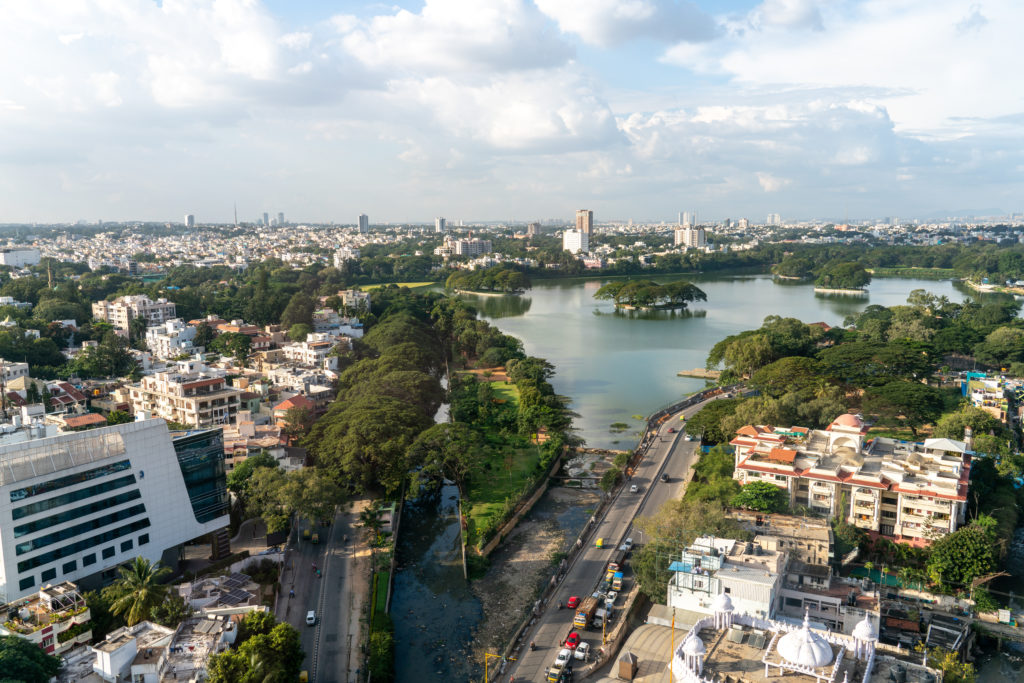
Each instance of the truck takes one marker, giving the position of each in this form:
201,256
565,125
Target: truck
585,612
600,617
617,581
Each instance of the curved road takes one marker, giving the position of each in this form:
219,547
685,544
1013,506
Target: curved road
671,454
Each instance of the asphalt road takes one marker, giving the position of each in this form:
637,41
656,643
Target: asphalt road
671,454
331,646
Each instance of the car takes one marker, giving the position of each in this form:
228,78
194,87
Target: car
671,430
564,655
612,595
573,640
555,673
573,601
688,438
310,618
627,545
634,489
665,478
582,651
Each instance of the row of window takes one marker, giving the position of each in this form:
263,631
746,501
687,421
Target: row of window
72,566
79,529
79,546
73,497
77,513
69,480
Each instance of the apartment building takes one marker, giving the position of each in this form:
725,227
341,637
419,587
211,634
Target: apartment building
121,311
471,247
805,539
191,394
79,504
19,257
56,618
171,339
748,573
910,492
836,603
315,351
691,238
575,241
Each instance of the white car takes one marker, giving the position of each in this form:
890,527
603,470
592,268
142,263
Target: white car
627,545
564,655
612,595
310,618
634,488
582,651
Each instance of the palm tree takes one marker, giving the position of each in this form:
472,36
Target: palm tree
140,589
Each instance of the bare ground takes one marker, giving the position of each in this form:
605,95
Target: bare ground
521,568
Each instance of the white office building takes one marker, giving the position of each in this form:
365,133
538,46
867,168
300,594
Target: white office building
77,505
439,224
691,238
575,241
19,258
190,220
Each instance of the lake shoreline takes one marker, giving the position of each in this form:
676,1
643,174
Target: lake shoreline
845,292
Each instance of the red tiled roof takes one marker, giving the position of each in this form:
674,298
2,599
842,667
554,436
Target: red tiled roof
202,383
87,420
71,391
16,398
297,401
782,455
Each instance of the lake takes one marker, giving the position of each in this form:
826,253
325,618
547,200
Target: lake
613,366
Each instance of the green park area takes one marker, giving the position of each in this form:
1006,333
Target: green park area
506,393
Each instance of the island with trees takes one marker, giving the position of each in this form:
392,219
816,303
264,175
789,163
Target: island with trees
647,295
842,277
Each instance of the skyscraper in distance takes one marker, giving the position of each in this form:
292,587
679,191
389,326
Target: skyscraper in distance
364,224
439,224
190,221
280,217
585,221
266,219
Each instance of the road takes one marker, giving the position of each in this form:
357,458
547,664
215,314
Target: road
332,645
670,454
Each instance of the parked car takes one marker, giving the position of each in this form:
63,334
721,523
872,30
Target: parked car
634,489
688,438
671,430
612,595
564,655
582,651
573,640
627,545
573,601
311,618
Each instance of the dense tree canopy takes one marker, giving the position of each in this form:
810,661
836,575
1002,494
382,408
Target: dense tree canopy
650,294
843,275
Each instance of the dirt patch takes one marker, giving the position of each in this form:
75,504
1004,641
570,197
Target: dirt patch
493,374
589,466
524,564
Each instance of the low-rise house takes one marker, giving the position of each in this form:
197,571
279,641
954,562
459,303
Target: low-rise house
836,603
172,338
806,539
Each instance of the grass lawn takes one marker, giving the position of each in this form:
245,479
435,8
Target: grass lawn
410,285
507,392
902,434
485,499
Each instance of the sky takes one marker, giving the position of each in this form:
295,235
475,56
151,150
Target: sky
509,109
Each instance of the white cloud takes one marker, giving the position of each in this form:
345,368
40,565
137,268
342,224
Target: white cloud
106,88
790,14
770,183
611,22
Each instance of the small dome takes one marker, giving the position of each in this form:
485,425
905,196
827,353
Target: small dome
722,603
804,647
865,630
848,420
693,645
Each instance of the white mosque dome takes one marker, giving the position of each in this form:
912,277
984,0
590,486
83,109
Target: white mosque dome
804,647
693,645
722,603
865,630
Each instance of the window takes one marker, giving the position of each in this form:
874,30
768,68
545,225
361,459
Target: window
77,513
143,539
72,479
79,529
726,590
73,497
69,567
26,583
49,575
794,602
108,553
89,559
126,546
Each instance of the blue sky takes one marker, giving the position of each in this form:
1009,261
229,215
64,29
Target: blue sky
509,109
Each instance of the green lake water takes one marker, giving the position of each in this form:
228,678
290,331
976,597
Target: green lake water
613,366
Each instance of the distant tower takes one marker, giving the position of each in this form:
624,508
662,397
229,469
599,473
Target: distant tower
280,217
236,214
439,224
680,221
585,222
364,224
266,219
190,221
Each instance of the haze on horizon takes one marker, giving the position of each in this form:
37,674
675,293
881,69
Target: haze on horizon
500,109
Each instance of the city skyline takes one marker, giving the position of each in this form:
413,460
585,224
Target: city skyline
536,107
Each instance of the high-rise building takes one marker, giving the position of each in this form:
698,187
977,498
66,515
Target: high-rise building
266,219
532,229
774,219
364,224
192,394
121,311
190,220
82,503
280,217
585,222
743,224
439,225
691,238
576,241
686,219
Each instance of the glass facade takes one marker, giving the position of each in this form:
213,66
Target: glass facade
84,544
201,458
69,480
78,529
77,513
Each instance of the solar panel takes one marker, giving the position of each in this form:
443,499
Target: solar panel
236,581
756,641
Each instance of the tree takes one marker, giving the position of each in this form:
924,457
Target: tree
952,425
610,478
117,417
239,476
708,421
22,660
761,496
232,344
792,373
204,335
444,451
300,309
171,611
297,422
843,275
299,331
139,589
948,662
964,555
904,403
